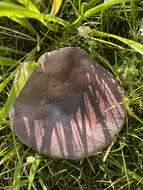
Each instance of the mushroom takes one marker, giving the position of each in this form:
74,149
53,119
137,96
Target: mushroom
70,107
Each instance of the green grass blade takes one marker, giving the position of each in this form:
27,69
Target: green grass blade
33,171
10,154
42,183
57,20
7,61
131,113
133,174
124,163
30,5
109,43
102,7
107,63
16,34
11,50
4,151
55,7
13,10
6,81
25,74
134,45
99,8
8,9
25,24
17,175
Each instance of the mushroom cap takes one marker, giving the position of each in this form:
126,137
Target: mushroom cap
70,107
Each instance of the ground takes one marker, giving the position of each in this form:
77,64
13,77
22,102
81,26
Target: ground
24,36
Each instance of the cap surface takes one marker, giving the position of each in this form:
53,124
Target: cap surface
71,107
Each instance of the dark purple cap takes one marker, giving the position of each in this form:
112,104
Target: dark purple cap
71,107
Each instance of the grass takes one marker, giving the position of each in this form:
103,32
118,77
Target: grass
109,33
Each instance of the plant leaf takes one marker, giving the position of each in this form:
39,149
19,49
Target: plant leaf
25,24
56,20
29,5
134,45
16,89
33,171
10,154
13,10
109,43
8,9
17,174
98,9
6,81
55,7
7,61
7,50
102,7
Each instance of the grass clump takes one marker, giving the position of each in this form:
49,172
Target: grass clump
109,32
